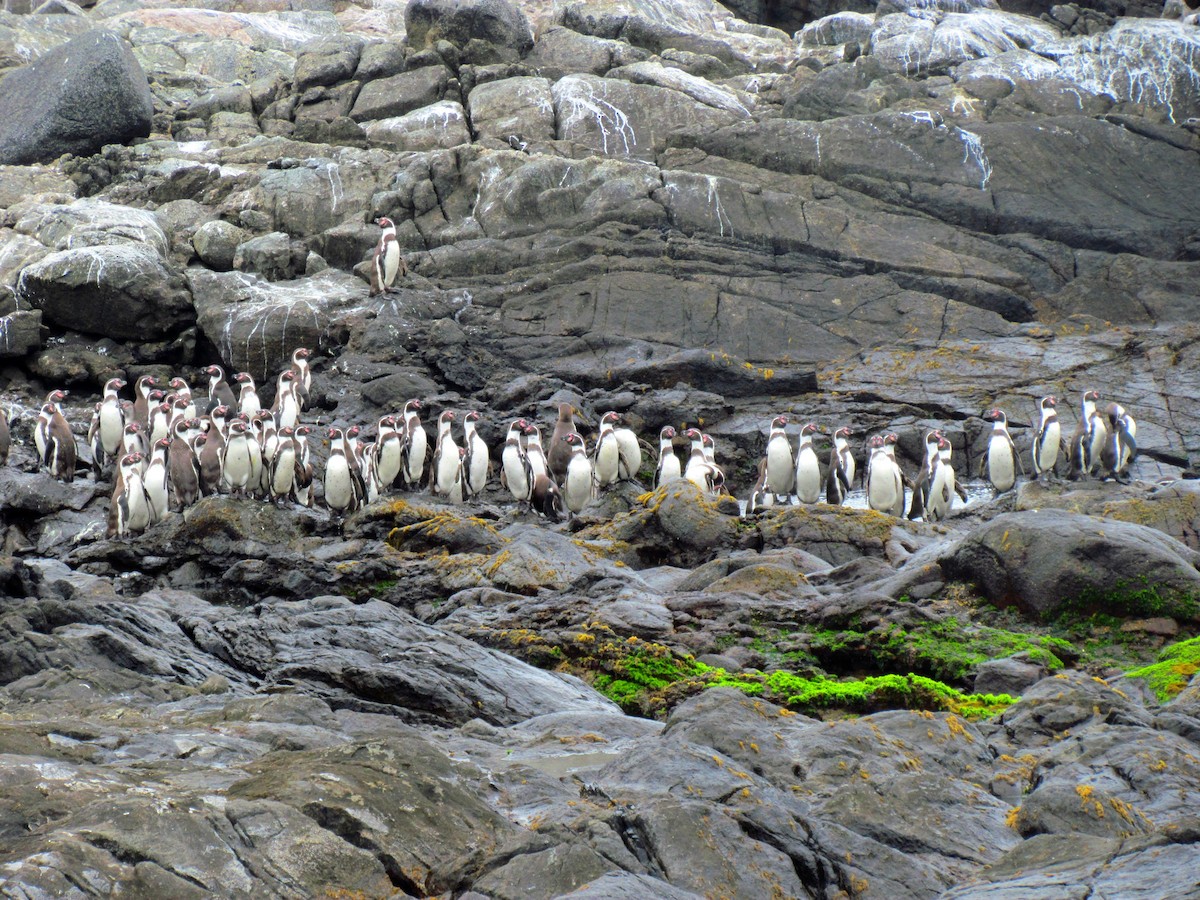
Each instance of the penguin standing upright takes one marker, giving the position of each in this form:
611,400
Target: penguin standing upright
840,478
416,445
535,454
559,453
156,480
477,460
183,466
885,481
924,482
1088,440
340,495
110,422
219,391
389,452
515,472
129,509
668,462
940,497
1002,461
630,451
302,492
248,402
1120,447
698,470
237,461
580,484
141,399
808,467
387,262
760,497
606,453
303,372
286,406
59,457
781,472
1047,439
445,474
281,478
183,392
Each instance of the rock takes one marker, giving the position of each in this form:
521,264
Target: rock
326,63
499,26
20,332
1048,563
216,243
513,106
438,126
400,94
271,256
75,99
1010,675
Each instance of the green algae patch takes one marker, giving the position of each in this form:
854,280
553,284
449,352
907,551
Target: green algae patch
1175,667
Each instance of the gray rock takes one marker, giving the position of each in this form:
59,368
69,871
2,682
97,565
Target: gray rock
20,332
216,243
1010,675
497,24
400,94
440,126
271,255
326,63
1048,562
75,99
513,106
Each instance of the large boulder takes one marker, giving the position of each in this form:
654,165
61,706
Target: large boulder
1048,563
89,92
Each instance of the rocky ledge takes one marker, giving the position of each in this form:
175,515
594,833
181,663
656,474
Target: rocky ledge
886,216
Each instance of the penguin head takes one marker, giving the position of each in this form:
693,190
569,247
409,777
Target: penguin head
385,222
668,432
301,353
472,416
779,422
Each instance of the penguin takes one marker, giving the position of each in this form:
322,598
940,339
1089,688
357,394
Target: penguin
808,467
183,391
1047,438
155,480
109,423
212,452
416,445
559,453
183,466
159,423
237,462
129,510
263,426
668,463
940,497
302,492
219,391
387,262
546,497
1120,446
780,468
41,429
698,470
133,440
248,403
1088,439
389,452
445,473
477,460
606,455
59,456
630,450
924,482
5,436
515,472
254,445
353,446
1002,461
716,473
535,454
760,497
580,484
885,482
281,480
841,468
286,406
340,495
303,371
141,399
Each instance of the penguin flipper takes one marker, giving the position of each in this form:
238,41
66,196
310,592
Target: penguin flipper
917,509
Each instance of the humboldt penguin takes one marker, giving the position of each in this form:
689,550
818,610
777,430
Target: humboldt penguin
535,453
477,460
515,472
1002,461
387,262
841,468
183,465
133,440
781,471
41,429
237,461
445,473
263,426
416,445
183,391
559,453
281,480
940,498
159,423
546,497
286,406
141,399
808,467
716,474
302,492
606,455
698,470
885,482
109,423
1120,447
129,510
389,452
1047,438
668,463
219,391
303,371
340,495
1088,440
59,456
580,484
247,402
924,482
631,453
155,480
760,497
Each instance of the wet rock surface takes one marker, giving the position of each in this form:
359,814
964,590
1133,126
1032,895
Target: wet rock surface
897,219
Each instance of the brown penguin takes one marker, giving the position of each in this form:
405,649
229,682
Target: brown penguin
183,466
219,391
559,455
60,445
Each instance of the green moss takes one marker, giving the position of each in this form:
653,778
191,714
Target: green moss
1175,667
1139,598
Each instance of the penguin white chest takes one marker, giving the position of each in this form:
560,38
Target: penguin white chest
339,485
1002,470
578,483
238,465
480,458
808,475
668,467
608,458
780,475
515,474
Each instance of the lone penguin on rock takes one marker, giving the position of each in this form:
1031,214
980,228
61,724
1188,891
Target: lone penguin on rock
387,262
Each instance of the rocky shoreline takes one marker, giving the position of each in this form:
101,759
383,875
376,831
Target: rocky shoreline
891,216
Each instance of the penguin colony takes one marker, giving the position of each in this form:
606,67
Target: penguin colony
165,455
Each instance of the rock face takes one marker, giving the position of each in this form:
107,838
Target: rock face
89,92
